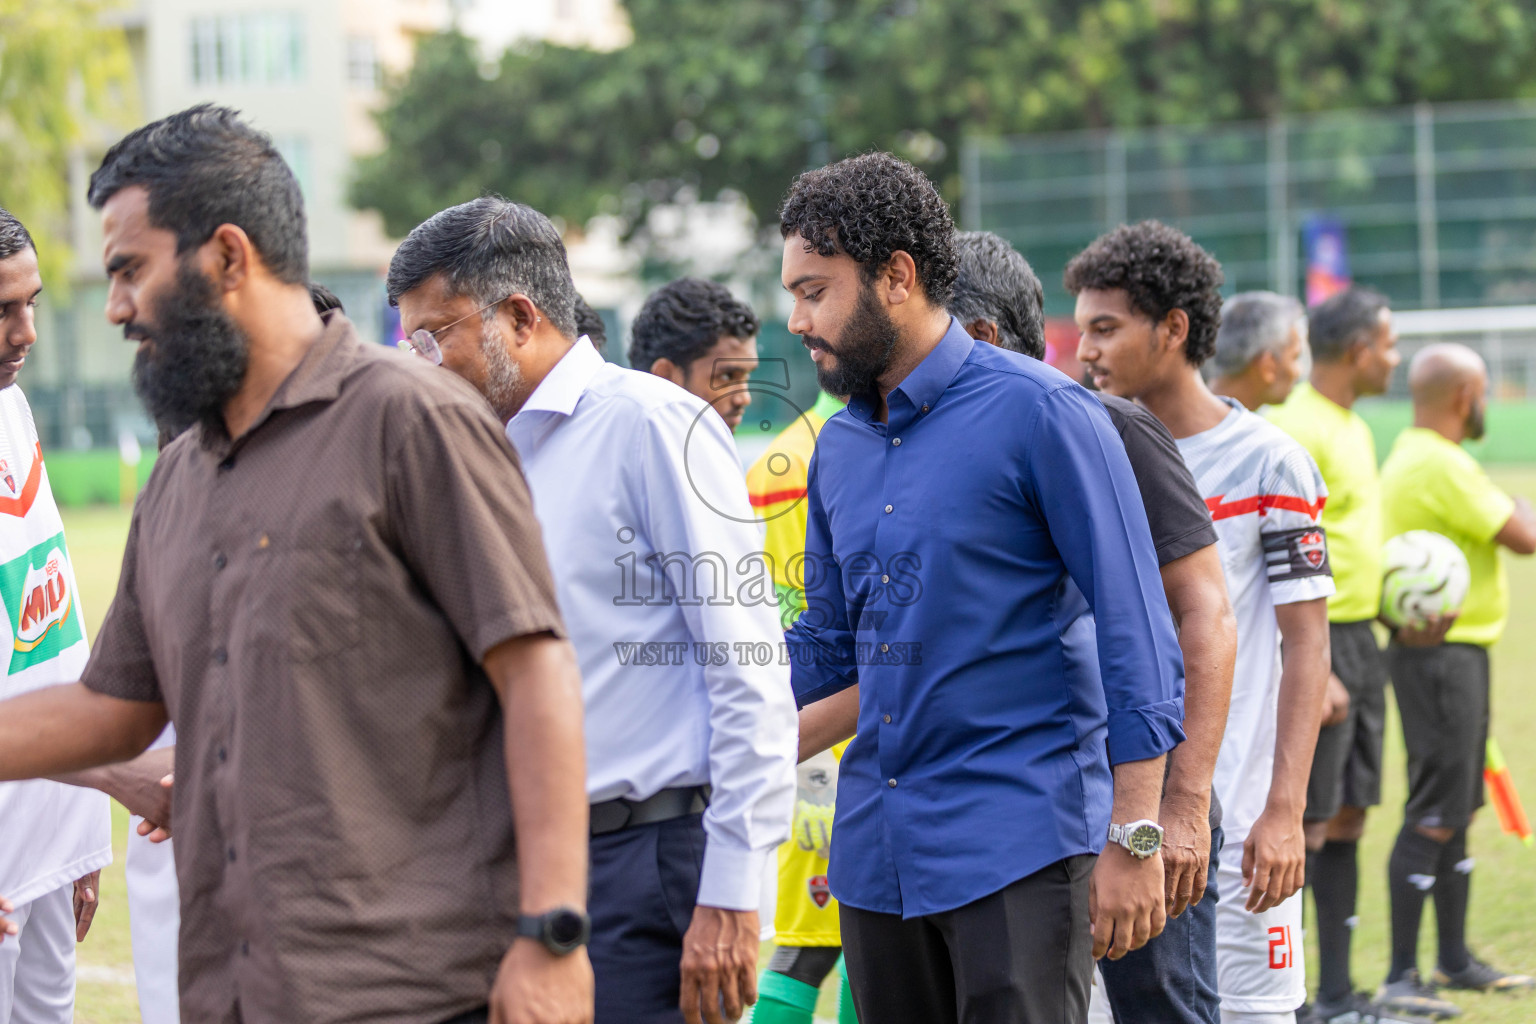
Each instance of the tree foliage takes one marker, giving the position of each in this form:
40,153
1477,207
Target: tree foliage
712,96
65,73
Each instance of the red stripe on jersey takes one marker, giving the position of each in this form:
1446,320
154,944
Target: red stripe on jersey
1262,503
762,500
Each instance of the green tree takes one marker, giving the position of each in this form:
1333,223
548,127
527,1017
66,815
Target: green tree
713,96
65,76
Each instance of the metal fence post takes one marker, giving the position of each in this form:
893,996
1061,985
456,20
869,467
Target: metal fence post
970,184
1428,216
1282,240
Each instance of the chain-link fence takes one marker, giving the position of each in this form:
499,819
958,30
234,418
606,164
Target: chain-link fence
1438,203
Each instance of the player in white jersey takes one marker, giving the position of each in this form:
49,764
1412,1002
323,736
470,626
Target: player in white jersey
1148,305
50,873
54,838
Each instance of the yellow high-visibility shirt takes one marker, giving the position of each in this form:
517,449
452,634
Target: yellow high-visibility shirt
776,484
1431,483
1345,452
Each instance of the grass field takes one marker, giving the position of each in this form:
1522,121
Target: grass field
1503,926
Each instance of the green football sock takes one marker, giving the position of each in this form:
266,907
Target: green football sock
783,1000
845,1012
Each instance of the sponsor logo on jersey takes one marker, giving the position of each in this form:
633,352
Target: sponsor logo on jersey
1313,548
821,891
20,504
7,476
45,619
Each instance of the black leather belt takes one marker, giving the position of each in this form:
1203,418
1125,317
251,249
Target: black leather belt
617,815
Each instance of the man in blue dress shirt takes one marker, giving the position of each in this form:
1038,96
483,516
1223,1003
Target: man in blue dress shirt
971,514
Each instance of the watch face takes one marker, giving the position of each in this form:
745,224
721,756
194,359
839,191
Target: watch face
1145,840
564,928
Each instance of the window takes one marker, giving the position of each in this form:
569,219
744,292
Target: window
362,62
248,49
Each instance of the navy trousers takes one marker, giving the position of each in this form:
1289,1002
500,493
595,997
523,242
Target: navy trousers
1172,979
644,884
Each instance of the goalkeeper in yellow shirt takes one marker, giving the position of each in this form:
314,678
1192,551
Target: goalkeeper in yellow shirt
809,939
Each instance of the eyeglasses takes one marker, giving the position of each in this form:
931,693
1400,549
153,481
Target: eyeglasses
424,342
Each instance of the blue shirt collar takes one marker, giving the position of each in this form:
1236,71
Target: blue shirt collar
927,381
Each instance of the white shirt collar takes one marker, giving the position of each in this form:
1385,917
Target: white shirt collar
566,382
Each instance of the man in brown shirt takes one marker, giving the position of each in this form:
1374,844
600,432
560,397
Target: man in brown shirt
335,587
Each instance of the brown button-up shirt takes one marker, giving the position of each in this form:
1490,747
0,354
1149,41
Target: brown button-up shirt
312,601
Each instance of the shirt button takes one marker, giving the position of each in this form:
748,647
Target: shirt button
895,442
227,465
925,408
886,719
891,783
220,656
223,755
245,949
888,509
219,561
884,578
884,648
231,854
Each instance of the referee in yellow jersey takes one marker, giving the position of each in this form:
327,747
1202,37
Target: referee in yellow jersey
809,938
1354,351
1429,482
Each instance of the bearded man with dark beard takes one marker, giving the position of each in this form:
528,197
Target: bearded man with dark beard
971,515
334,587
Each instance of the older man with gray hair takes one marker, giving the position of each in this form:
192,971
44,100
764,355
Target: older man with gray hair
690,741
1259,348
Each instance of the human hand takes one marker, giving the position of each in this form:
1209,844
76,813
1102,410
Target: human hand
1125,902
7,926
719,965
158,829
1186,850
87,895
1274,859
1335,701
1430,633
534,986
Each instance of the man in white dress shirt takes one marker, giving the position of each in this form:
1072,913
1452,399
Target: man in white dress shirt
690,723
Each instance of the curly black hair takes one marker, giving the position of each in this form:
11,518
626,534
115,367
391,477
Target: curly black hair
1161,269
683,320
871,207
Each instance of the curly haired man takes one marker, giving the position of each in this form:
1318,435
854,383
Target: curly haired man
971,514
1148,307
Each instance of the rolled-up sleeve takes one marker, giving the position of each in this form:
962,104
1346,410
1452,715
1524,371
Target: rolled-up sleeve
1089,499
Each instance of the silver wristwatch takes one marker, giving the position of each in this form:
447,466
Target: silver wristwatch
1142,838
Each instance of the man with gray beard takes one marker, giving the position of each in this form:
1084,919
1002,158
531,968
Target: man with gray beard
691,742
335,588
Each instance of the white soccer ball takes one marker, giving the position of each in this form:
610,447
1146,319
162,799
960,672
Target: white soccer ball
1423,574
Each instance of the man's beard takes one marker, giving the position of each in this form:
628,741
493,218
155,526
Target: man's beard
196,358
863,349
1477,424
503,377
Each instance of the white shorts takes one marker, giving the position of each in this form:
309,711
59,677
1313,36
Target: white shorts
154,917
1260,964
37,967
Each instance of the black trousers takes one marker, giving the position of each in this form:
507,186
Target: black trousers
1023,955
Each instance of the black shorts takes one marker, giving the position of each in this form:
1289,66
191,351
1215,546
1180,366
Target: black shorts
1346,770
1442,695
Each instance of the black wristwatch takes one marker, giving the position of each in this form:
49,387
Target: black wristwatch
562,930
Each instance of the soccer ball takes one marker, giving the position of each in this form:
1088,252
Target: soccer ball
1424,574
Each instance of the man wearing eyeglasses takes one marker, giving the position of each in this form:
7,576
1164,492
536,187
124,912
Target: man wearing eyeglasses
691,730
